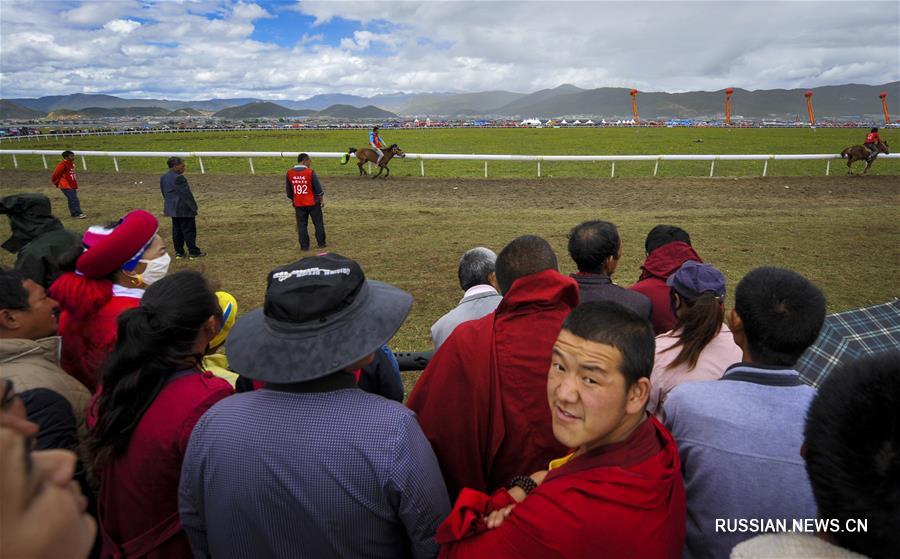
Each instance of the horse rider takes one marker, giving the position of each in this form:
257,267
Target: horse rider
376,143
871,143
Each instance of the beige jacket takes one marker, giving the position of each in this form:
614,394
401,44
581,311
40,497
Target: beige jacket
34,364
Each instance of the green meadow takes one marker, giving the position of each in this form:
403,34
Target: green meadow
528,141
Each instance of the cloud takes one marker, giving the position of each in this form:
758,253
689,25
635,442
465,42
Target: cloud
122,26
204,48
362,40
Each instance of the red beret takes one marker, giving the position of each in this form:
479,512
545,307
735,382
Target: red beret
109,250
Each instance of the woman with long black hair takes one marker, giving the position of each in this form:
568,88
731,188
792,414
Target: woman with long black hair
153,392
701,346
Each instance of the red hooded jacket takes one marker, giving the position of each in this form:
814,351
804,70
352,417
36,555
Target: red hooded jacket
659,265
482,400
620,500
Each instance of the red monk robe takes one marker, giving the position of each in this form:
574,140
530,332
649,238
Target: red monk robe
625,499
482,400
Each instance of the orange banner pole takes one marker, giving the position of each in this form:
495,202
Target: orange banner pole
884,109
728,93
809,108
634,110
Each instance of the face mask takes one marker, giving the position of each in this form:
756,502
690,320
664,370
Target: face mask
156,269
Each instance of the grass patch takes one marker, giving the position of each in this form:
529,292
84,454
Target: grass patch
842,233
528,141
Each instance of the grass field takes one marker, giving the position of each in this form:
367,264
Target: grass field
572,141
841,232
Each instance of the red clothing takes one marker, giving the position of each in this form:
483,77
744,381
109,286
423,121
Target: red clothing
138,498
64,175
482,400
87,324
873,138
621,500
302,187
659,265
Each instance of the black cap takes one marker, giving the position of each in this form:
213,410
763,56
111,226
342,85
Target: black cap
312,288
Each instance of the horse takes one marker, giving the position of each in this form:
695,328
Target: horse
368,155
861,153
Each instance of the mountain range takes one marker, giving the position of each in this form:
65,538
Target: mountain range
850,100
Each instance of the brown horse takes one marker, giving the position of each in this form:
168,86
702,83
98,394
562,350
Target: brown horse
365,155
862,153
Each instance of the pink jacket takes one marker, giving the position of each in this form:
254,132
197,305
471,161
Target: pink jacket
714,359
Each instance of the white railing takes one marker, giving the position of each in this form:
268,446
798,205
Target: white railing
422,157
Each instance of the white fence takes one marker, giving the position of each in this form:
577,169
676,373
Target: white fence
422,157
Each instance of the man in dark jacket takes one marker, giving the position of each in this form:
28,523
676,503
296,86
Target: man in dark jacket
181,207
596,248
38,239
667,247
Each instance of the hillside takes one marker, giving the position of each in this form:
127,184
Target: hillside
187,111
522,104
260,109
100,112
850,100
10,110
462,103
608,102
265,109
347,111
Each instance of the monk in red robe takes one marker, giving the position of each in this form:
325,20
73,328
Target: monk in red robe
480,400
620,492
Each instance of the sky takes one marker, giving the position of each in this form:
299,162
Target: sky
202,49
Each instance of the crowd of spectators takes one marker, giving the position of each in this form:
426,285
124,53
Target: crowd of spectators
560,416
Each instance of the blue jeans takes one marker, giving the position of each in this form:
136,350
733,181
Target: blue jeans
72,198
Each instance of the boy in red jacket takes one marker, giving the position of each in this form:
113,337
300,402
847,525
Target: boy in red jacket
64,179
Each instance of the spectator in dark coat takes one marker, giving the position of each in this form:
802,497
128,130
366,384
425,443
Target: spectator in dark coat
596,248
38,239
667,248
182,208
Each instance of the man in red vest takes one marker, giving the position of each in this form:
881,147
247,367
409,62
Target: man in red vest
303,188
64,178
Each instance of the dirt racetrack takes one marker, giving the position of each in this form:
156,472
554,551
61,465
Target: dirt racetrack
842,232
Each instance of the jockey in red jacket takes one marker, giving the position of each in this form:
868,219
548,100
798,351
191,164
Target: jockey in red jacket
871,143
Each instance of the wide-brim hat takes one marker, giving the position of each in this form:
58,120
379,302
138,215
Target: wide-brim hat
108,250
320,316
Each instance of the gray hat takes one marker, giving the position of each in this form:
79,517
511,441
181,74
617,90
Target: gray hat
320,316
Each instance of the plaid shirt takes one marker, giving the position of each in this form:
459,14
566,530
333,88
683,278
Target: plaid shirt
850,335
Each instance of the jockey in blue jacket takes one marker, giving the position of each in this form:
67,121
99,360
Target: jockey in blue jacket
376,143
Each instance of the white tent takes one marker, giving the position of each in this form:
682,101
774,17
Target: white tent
589,121
577,122
564,121
530,122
